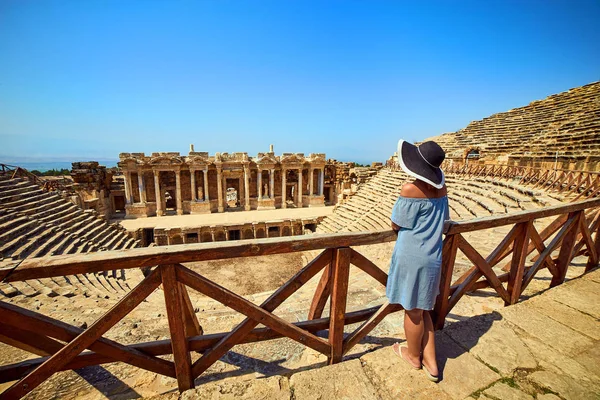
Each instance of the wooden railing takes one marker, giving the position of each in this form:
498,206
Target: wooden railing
583,184
48,185
573,230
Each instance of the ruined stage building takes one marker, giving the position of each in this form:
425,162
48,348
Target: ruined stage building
197,183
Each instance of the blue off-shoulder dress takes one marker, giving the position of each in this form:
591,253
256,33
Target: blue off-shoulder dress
415,269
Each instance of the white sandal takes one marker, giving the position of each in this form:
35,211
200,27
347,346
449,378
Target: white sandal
399,354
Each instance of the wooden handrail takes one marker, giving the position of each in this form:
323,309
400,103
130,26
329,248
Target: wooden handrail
517,217
71,264
457,165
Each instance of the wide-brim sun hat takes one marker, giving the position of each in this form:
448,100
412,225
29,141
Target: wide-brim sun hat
423,162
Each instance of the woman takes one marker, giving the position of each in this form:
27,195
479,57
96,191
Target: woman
414,277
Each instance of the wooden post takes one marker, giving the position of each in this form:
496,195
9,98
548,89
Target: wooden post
566,248
323,290
192,326
591,262
448,258
339,292
517,266
181,354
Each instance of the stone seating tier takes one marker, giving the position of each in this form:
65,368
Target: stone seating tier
566,122
469,197
35,223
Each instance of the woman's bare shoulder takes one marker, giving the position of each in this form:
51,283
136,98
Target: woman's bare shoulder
411,190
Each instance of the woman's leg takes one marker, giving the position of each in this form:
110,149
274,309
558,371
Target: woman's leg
414,329
428,345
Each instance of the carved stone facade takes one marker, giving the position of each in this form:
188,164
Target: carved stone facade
199,183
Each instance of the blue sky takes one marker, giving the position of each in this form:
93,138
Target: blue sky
90,79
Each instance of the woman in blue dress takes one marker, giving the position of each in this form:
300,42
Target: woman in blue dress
414,277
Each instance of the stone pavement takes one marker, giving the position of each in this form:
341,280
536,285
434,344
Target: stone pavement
226,218
547,347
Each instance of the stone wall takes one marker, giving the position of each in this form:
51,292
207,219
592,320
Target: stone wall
217,233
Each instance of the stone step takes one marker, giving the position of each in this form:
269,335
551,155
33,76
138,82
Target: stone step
72,246
54,240
10,196
17,230
103,236
50,205
7,182
65,217
16,188
28,200
13,220
114,237
34,238
60,247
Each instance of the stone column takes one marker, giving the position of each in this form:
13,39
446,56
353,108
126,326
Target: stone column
220,189
321,180
283,188
310,180
259,183
247,188
193,184
300,187
157,194
272,183
141,187
178,191
128,187
206,198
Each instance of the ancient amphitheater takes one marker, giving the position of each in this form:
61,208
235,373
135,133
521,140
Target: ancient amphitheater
87,312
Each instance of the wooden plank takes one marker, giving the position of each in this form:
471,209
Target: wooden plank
499,253
556,241
591,264
81,342
442,308
586,237
483,266
110,351
322,291
251,310
279,296
515,277
566,249
161,347
539,245
522,216
368,325
72,264
568,183
6,270
366,265
339,293
181,354
29,341
585,189
192,326
580,182
545,234
494,258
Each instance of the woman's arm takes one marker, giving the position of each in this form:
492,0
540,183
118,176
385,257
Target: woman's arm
395,227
